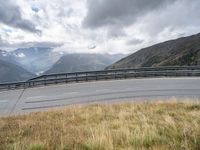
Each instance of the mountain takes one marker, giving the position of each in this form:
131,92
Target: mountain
11,73
7,56
83,62
35,59
180,52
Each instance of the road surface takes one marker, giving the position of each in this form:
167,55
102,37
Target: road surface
40,98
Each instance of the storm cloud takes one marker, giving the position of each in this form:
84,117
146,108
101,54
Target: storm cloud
119,12
96,26
10,46
135,41
10,15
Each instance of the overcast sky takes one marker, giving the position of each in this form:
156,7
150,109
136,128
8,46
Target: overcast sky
96,26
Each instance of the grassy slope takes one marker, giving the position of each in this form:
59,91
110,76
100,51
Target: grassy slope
156,125
179,52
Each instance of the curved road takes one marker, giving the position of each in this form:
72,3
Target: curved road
37,99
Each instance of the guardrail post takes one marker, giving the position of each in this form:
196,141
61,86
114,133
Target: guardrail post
134,75
86,77
24,84
45,83
56,79
105,75
76,77
66,79
125,74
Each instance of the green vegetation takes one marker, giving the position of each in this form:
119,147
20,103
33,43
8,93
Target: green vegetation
152,61
152,125
190,58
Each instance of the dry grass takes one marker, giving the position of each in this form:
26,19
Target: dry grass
155,125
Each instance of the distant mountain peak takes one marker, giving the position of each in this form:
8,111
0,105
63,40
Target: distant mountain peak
83,62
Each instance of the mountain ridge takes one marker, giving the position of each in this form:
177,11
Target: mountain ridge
83,62
177,52
34,59
13,73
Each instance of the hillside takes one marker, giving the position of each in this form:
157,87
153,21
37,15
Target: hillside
11,73
128,126
179,52
83,62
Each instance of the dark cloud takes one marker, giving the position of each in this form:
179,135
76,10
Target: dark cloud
116,31
119,12
10,15
35,9
135,41
40,44
181,17
8,46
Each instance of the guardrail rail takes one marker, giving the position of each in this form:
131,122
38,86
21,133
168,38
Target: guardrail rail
51,79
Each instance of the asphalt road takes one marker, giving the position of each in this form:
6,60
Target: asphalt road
37,99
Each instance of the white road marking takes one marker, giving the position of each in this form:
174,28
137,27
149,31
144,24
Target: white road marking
44,97
102,90
69,93
36,97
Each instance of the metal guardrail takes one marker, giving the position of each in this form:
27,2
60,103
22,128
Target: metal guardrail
52,79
